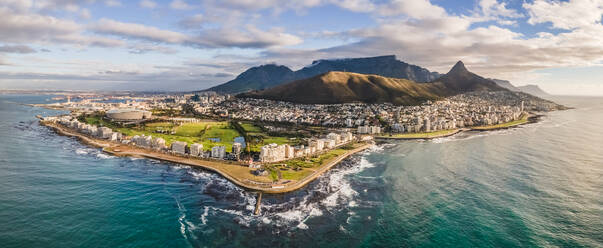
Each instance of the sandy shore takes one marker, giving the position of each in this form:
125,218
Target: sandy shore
237,173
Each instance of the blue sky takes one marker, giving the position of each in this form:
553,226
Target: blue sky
189,45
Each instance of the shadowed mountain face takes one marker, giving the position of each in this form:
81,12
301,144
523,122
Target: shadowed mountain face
266,76
257,78
346,87
460,80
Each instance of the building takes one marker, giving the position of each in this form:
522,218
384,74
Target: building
335,137
236,150
179,147
104,132
158,144
196,150
128,114
273,152
218,152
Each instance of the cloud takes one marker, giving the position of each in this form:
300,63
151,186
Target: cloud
250,37
16,49
425,34
25,27
192,22
179,5
147,4
565,15
146,48
85,13
137,31
112,3
417,9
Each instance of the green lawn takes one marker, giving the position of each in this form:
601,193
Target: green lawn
255,131
522,120
419,135
193,129
188,132
250,127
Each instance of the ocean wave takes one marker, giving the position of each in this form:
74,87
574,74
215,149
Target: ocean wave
332,191
82,151
102,155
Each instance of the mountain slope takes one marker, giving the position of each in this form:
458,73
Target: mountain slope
460,80
266,76
346,87
533,90
256,78
505,84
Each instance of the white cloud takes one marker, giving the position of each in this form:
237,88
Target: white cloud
147,4
180,5
192,22
251,37
85,13
417,9
565,15
112,3
21,27
142,48
139,31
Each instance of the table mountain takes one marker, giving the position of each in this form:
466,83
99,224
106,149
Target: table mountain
266,76
347,87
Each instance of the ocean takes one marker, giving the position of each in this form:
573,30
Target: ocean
539,185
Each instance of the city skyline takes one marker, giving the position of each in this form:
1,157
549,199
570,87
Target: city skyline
190,45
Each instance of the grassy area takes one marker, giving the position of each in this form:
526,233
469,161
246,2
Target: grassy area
250,128
200,132
256,132
299,168
419,135
522,120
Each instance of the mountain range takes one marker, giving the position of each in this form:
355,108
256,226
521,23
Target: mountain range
531,89
347,87
270,75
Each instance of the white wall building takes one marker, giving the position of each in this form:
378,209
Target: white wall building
179,147
196,149
218,152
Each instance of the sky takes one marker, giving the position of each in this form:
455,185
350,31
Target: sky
183,45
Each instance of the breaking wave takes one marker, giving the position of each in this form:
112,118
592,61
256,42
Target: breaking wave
330,192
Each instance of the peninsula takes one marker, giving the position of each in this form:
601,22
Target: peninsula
279,139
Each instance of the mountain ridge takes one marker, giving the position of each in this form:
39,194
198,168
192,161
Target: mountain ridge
255,78
348,87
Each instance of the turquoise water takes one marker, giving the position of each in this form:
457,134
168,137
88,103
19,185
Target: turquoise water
540,185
